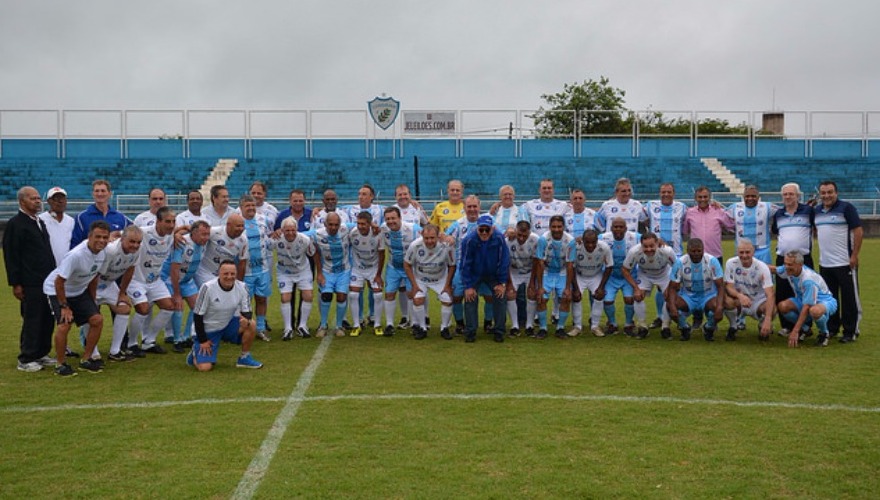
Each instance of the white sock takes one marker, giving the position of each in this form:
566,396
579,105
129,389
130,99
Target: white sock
136,327
577,314
304,311
445,316
418,315
159,320
389,312
286,316
403,302
596,310
512,312
641,310
355,308
531,310
120,323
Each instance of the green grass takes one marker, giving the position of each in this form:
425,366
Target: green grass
399,418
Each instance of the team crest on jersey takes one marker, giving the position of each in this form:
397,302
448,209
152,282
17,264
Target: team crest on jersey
613,210
740,213
739,271
136,294
656,210
687,270
581,256
421,253
324,240
642,260
153,242
189,252
221,243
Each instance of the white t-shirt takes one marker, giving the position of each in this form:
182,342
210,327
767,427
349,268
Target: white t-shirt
218,306
78,268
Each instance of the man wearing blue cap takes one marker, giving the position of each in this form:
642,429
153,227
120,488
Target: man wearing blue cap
485,268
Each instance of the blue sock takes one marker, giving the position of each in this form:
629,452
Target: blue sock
610,312
261,323
542,319
660,302
341,307
176,319
822,323
629,311
682,319
325,311
488,310
187,330
458,311
563,317
791,316
710,319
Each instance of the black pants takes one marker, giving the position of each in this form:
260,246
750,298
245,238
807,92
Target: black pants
843,282
784,290
37,325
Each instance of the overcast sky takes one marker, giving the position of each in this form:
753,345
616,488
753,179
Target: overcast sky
449,54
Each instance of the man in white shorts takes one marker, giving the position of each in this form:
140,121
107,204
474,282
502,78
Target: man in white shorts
749,285
295,252
654,263
121,256
147,287
430,265
367,262
593,264
523,252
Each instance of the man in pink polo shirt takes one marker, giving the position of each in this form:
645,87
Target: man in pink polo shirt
706,221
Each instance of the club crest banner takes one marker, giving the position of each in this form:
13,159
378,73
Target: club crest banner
384,111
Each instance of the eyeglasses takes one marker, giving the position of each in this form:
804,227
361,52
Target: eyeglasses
484,230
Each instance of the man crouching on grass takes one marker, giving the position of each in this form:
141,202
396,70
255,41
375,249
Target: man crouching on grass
223,312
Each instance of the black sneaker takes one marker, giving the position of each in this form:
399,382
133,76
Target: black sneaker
64,370
346,325
685,334
156,349
120,357
629,330
657,323
666,333
513,333
446,334
90,366
487,325
499,337
541,335
389,331
822,340
287,335
169,340
530,332
403,323
731,334
709,333
178,347
554,320
610,329
419,333
303,332
559,333
70,353
642,332
847,339
136,352
470,338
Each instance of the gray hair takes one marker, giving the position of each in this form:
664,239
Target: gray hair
797,256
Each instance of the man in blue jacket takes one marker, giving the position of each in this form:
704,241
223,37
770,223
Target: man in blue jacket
485,268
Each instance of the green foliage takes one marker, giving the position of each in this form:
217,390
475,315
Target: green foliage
597,108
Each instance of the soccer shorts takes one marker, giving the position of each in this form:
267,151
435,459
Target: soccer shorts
259,284
697,302
647,283
553,283
360,278
229,333
395,279
147,292
336,282
830,305
437,286
82,306
613,285
590,283
188,288
302,280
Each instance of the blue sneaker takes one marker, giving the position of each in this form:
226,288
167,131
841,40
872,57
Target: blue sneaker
191,359
247,361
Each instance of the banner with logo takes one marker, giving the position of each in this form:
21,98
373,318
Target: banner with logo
428,123
384,111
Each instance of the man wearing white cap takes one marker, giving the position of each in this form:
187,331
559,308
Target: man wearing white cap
58,223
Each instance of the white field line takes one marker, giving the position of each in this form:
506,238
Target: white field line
477,397
253,476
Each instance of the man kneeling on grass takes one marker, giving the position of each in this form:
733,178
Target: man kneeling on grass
223,312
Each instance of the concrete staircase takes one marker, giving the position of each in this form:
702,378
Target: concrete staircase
725,176
219,175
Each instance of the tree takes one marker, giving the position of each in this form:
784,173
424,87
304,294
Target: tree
588,108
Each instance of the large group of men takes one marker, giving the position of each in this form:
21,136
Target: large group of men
219,262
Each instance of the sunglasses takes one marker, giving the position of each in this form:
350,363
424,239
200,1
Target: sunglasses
484,230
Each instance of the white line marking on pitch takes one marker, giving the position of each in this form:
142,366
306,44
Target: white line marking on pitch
377,397
253,476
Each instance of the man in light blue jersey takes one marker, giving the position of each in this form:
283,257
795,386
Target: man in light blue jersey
179,275
696,282
666,219
398,236
553,267
752,219
812,299
506,213
620,240
623,206
366,195
333,270
257,276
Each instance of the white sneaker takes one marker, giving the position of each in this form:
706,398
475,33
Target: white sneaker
574,332
33,366
598,331
783,332
47,361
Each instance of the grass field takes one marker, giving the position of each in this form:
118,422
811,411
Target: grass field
373,417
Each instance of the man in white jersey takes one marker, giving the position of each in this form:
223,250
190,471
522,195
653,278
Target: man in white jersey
258,271
295,252
752,219
749,287
666,219
330,201
696,282
120,259
367,262
580,218
193,210
71,290
227,242
812,300
539,210
223,313
622,205
218,212
523,280
147,287
553,266
430,265
654,263
398,236
157,200
333,272
366,195
593,264
410,210
259,191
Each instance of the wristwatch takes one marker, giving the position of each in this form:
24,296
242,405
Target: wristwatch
63,305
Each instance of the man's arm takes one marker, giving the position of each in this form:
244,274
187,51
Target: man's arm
857,233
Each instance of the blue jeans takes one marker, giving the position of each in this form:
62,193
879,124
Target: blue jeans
499,310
